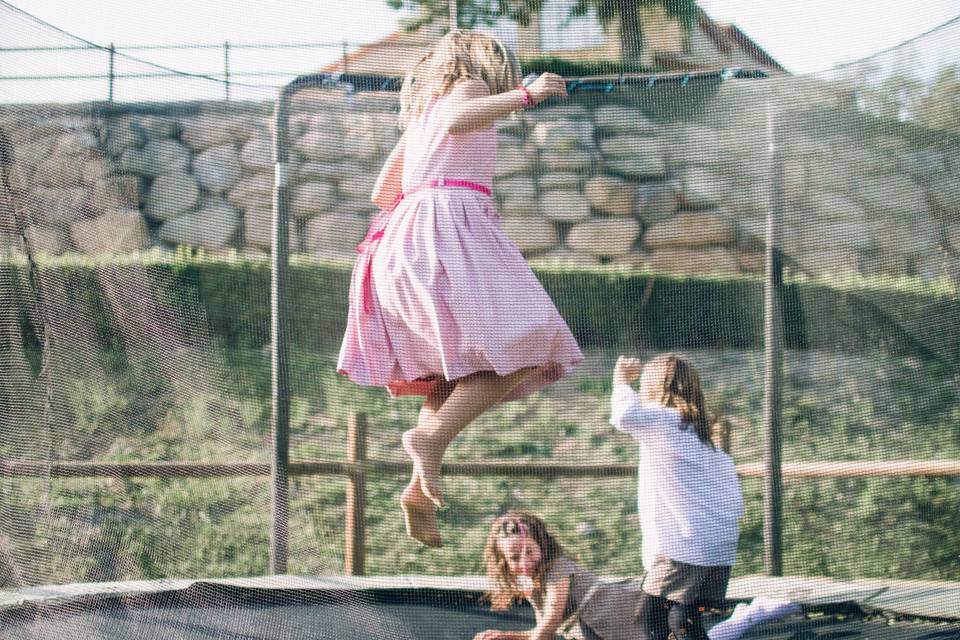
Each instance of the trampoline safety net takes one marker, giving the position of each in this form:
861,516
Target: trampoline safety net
170,402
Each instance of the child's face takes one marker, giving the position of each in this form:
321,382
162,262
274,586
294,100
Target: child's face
522,554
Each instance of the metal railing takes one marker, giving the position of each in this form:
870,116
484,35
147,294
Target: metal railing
227,75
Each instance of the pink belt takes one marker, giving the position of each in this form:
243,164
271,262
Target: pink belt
379,225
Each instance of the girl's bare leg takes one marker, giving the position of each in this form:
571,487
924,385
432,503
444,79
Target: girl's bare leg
419,512
427,442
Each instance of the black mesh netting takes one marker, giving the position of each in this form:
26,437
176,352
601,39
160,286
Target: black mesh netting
135,321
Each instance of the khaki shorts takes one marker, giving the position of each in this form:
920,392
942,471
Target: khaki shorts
686,583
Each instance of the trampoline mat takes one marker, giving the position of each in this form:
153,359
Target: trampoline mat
420,614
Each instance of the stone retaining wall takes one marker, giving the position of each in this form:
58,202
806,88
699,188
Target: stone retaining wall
600,179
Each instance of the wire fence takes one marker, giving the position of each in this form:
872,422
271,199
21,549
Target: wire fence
226,74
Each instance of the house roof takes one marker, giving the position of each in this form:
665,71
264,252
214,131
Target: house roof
399,51
728,37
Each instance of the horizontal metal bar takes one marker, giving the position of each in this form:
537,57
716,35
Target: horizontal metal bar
167,74
842,469
241,45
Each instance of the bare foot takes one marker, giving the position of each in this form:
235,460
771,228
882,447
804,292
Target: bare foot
426,456
419,515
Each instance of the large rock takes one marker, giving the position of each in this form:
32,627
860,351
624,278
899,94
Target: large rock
165,156
202,133
703,261
559,111
159,127
59,206
369,136
621,119
94,170
122,134
690,230
320,141
257,154
826,235
604,237
20,176
573,160
897,194
700,188
312,198
213,226
171,196
77,144
648,163
513,160
531,234
258,229
32,152
335,234
217,168
60,171
253,192
116,192
560,180
702,146
516,187
908,237
944,193
358,186
564,206
46,240
120,231
519,206
628,145
563,135
334,170
158,157
610,195
655,201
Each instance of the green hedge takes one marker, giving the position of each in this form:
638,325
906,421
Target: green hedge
604,308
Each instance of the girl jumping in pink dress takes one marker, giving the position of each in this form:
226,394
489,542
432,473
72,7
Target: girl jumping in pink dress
442,304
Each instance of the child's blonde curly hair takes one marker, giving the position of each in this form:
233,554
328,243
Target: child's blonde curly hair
457,56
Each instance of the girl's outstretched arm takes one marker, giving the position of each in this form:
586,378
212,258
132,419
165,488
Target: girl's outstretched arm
554,603
472,107
627,414
389,183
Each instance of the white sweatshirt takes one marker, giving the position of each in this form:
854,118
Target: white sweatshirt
687,492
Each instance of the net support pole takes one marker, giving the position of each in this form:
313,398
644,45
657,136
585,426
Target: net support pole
110,73
353,560
279,334
773,359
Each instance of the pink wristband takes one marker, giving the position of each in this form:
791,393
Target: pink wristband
526,98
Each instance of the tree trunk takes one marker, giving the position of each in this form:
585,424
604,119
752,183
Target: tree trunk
631,31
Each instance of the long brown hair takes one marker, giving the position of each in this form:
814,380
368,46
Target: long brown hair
504,590
457,56
670,380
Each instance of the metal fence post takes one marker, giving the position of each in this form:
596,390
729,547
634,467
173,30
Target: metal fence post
110,73
353,559
226,69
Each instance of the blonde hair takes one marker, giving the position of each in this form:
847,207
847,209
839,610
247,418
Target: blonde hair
457,56
505,591
671,381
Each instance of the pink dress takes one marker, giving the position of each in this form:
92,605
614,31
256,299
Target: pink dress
442,292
